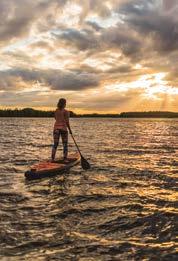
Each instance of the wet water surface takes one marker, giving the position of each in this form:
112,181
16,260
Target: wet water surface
124,208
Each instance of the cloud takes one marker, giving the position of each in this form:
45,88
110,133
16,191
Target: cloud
107,101
16,18
118,37
74,46
55,79
94,25
149,21
42,44
123,69
170,5
113,101
94,6
19,17
172,78
83,40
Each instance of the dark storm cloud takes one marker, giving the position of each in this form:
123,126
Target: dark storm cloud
118,38
55,79
94,25
113,38
87,69
70,81
83,40
148,20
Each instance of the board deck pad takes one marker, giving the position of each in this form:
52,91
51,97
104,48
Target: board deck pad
47,168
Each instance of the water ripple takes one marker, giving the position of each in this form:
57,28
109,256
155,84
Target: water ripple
124,208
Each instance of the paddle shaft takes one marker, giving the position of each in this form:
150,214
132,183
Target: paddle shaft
76,145
84,163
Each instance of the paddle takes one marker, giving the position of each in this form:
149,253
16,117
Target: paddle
84,163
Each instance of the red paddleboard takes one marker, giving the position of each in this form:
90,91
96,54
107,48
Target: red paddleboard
48,169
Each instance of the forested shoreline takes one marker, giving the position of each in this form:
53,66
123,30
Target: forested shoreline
30,112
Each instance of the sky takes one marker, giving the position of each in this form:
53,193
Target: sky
103,56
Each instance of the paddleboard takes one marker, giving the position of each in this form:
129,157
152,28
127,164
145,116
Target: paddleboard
48,169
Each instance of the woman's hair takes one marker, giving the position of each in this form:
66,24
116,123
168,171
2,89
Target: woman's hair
61,103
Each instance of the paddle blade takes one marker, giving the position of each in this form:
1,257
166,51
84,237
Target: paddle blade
84,163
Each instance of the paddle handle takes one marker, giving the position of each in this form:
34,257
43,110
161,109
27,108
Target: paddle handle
76,145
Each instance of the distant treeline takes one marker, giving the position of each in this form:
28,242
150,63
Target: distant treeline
29,112
149,114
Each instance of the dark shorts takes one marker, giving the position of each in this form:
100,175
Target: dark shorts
64,135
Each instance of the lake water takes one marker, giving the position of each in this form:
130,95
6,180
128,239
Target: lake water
124,208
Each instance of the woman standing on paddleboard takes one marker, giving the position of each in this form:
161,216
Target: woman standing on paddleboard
60,128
